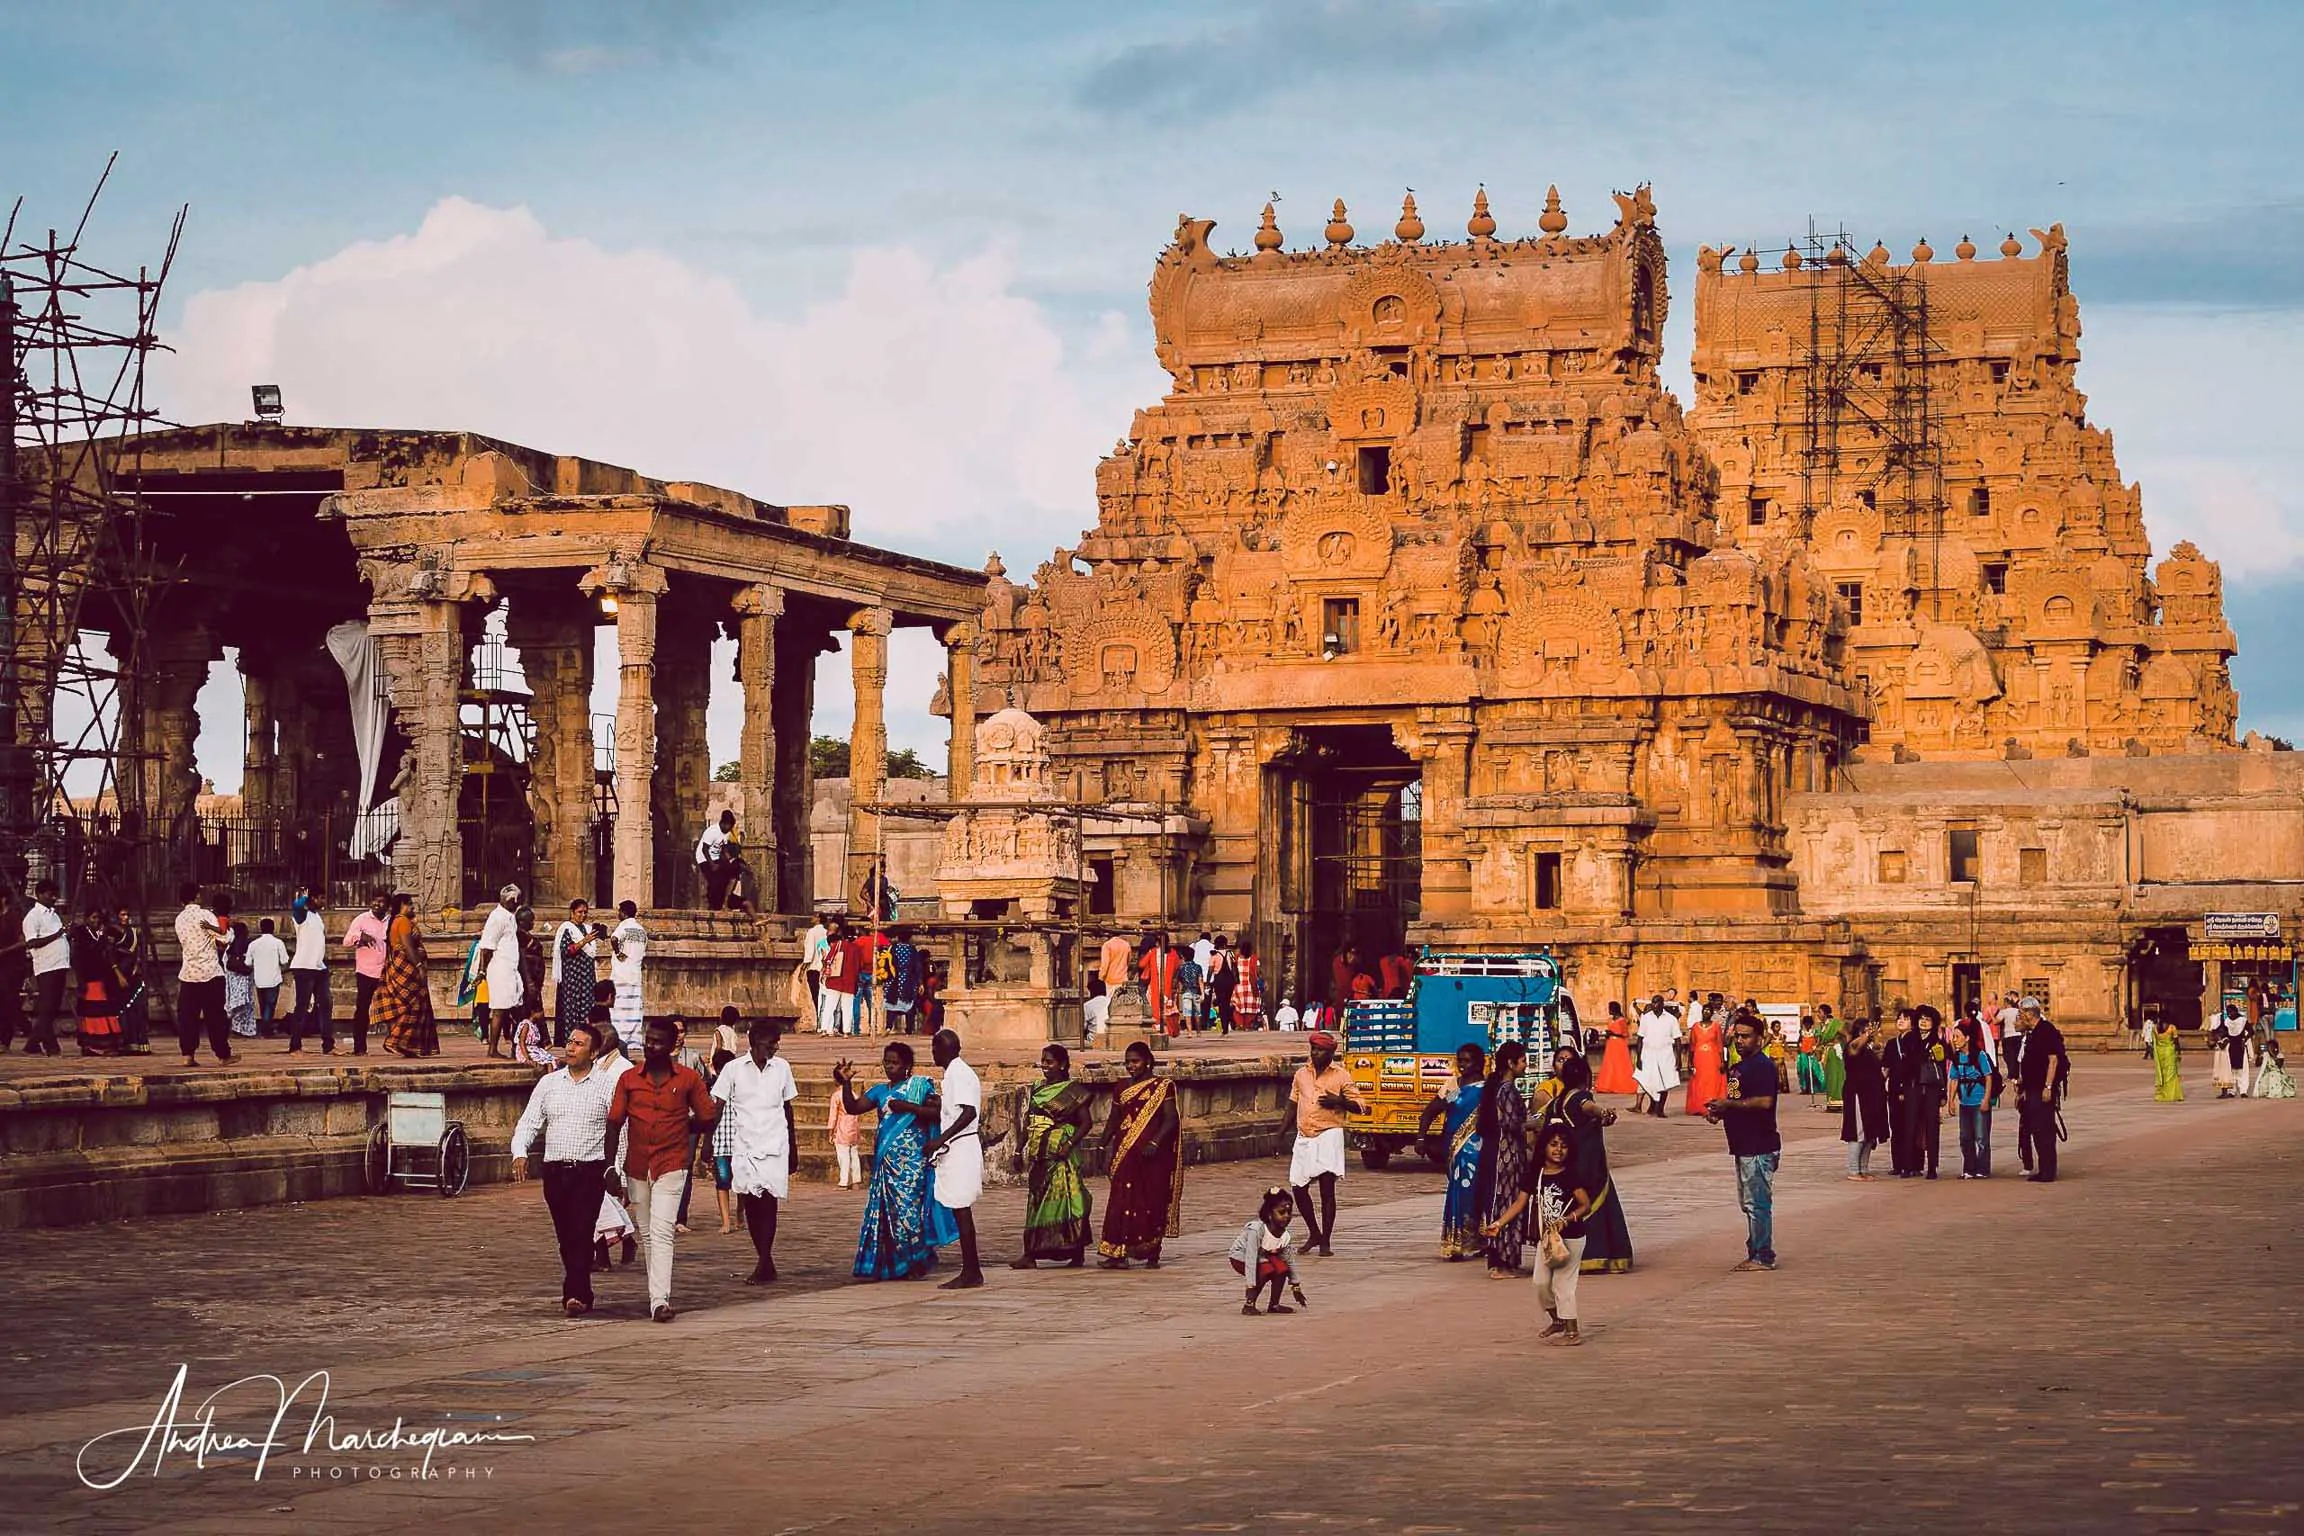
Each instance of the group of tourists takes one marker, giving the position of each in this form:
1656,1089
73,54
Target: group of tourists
863,983
1211,983
1893,1083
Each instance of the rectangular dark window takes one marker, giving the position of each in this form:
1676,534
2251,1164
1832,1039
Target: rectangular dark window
1747,382
1852,593
1756,510
1870,498
1963,865
1980,502
1999,371
1340,625
1996,575
1103,901
1375,464
1547,882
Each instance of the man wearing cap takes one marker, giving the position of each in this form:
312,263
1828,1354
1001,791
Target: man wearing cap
2039,1087
1318,1101
499,960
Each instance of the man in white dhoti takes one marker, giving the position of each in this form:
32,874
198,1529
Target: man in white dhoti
1319,1098
756,1090
498,958
628,952
1658,1073
957,1152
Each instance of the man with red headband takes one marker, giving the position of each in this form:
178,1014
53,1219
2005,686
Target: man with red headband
1318,1101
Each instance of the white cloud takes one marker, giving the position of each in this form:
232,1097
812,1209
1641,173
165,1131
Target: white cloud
2197,402
935,400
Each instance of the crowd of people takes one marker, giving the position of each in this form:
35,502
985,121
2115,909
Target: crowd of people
626,1107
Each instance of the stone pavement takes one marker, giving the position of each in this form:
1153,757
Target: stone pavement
2110,1351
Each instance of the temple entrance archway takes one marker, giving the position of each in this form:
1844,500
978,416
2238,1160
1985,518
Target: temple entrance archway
1346,864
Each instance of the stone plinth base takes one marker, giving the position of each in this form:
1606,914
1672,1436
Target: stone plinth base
1009,1015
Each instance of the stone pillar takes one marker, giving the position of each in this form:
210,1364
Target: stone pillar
179,661
635,588
868,630
555,646
757,610
960,688
260,752
683,783
1443,743
417,617
801,637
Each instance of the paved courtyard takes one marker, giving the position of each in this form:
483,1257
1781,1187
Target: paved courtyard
2113,1352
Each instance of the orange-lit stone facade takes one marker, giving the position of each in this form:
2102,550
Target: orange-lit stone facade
1998,591
1408,610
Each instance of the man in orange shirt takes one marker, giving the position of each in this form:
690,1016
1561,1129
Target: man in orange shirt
1158,969
665,1103
1318,1101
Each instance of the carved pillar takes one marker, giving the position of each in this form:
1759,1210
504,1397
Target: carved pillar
635,588
260,750
757,610
417,617
161,763
800,638
868,742
555,646
1444,744
683,782
960,686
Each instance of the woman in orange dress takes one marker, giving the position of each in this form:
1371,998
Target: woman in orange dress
1616,1057
1707,1074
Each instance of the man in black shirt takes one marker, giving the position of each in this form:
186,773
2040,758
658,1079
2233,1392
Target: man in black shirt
2040,1074
1748,1114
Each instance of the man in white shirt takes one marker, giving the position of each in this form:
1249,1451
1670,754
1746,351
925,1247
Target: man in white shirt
716,860
1284,1017
1658,1073
51,956
498,956
628,952
267,969
813,948
1204,955
569,1108
200,979
308,969
957,1152
1096,1011
757,1090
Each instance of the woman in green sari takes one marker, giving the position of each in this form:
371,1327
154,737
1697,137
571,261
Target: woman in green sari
1056,1212
1831,1031
2167,1064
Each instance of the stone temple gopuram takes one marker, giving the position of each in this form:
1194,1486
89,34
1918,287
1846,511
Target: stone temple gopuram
1418,610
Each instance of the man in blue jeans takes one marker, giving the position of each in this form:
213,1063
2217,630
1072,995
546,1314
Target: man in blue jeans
1748,1114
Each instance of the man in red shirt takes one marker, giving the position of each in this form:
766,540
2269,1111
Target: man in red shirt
665,1103
843,960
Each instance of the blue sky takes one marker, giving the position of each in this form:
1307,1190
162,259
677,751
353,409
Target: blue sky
895,255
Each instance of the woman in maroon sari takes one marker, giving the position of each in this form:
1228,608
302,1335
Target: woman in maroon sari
1144,1149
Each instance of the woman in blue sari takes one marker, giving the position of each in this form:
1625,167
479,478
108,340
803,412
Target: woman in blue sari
903,1224
1458,1110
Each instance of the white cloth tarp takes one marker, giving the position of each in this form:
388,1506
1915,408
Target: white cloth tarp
356,653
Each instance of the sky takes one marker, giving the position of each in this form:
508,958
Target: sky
895,255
